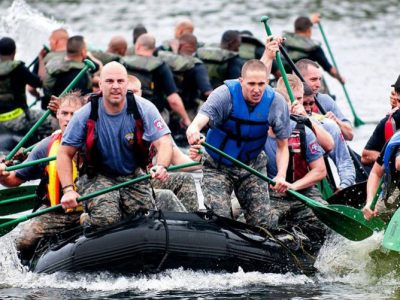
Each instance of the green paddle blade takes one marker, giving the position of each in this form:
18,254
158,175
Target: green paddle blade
17,192
17,204
18,199
353,196
342,224
391,239
376,224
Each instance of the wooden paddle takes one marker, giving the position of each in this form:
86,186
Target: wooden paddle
357,121
346,223
7,224
88,65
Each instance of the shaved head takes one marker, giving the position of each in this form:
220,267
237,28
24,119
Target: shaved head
113,67
117,45
58,39
113,85
147,41
183,26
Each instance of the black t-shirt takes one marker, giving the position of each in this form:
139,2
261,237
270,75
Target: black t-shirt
21,76
195,84
318,55
377,139
164,85
379,160
234,70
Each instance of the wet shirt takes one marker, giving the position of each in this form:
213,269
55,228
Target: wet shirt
37,171
219,106
313,150
328,104
116,134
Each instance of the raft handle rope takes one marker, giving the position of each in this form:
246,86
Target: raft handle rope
267,234
162,219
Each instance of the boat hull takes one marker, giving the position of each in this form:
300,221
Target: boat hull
159,241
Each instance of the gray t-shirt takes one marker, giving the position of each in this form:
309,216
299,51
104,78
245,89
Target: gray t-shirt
328,104
37,171
313,150
219,106
116,134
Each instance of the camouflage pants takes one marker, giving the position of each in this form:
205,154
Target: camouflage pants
111,207
183,186
387,206
167,200
21,125
252,192
291,212
43,226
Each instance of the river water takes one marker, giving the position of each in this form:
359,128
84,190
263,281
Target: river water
364,36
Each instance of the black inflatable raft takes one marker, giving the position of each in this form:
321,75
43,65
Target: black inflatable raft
156,241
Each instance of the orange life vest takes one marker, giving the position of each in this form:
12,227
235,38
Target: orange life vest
54,191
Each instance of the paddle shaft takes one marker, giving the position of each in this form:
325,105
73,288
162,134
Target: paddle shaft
88,65
18,199
357,120
7,226
354,157
29,149
30,163
376,196
264,20
262,176
37,57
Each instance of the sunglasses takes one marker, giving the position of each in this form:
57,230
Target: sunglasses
310,103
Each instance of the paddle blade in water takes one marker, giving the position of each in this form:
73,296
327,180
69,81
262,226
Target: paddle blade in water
391,240
376,224
344,225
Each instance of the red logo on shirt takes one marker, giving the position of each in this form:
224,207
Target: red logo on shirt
159,124
313,147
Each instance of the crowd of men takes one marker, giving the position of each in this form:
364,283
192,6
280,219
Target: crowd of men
117,125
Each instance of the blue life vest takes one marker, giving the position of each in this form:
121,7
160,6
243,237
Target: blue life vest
388,155
245,132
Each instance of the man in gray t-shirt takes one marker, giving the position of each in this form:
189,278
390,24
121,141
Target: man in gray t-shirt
311,72
239,114
116,152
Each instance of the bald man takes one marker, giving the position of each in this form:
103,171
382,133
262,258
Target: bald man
184,25
117,116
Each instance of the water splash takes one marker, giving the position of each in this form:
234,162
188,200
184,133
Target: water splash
28,27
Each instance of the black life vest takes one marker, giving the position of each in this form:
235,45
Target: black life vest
10,98
143,68
141,147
